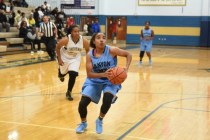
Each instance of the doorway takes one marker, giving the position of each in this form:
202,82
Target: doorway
121,28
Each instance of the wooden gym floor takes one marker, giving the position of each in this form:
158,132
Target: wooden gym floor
168,101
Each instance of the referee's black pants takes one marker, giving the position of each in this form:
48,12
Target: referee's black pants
50,44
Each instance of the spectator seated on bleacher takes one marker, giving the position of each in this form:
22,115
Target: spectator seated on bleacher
46,8
3,22
23,30
3,5
23,18
12,18
61,15
36,17
54,12
31,21
17,17
33,39
20,3
41,14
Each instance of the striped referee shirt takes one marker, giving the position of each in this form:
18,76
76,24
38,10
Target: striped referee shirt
47,29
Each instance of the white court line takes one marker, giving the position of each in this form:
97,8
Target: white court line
58,85
69,129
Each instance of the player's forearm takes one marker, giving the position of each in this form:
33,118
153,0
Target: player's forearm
128,60
95,75
58,52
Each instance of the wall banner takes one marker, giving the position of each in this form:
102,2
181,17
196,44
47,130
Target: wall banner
162,2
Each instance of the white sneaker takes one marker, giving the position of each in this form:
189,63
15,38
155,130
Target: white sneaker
150,62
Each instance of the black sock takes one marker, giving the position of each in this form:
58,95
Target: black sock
100,118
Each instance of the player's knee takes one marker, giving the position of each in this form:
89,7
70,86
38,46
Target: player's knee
142,54
107,100
84,102
73,74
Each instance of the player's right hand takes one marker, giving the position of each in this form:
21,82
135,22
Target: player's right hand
60,62
108,73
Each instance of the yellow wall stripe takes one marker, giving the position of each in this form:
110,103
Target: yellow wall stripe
178,31
102,28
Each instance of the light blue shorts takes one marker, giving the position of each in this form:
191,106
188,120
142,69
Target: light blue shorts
146,48
94,90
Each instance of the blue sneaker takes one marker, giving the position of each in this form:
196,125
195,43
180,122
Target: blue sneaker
99,126
140,63
81,128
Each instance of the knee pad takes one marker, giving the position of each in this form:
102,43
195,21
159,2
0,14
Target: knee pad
108,97
142,54
84,102
73,74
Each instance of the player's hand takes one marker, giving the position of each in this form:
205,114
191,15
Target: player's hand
108,73
126,69
60,62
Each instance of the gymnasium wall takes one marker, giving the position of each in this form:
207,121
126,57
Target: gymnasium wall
173,25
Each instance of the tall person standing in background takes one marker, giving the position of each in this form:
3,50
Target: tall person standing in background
146,38
48,32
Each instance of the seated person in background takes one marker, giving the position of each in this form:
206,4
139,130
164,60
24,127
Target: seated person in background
12,18
23,18
36,17
47,8
23,3
3,22
33,39
54,12
31,21
3,5
23,30
17,17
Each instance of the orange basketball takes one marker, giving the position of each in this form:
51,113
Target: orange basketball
118,75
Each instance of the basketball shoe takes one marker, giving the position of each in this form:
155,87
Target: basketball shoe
81,128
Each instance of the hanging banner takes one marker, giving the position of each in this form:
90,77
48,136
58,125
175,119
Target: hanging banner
162,2
77,4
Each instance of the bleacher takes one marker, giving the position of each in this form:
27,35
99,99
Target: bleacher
10,42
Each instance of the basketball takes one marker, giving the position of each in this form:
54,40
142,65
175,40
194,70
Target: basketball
118,75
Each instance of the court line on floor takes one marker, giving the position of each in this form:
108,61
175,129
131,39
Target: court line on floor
33,93
67,129
153,112
188,109
58,94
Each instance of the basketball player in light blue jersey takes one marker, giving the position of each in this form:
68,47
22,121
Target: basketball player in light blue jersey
146,37
99,60
68,52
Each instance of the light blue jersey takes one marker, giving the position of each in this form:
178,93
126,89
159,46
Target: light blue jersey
146,45
93,87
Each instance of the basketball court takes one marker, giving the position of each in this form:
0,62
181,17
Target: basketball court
170,100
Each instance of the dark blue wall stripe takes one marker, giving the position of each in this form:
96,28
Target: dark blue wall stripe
167,40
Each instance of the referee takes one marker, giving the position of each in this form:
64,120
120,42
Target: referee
48,32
